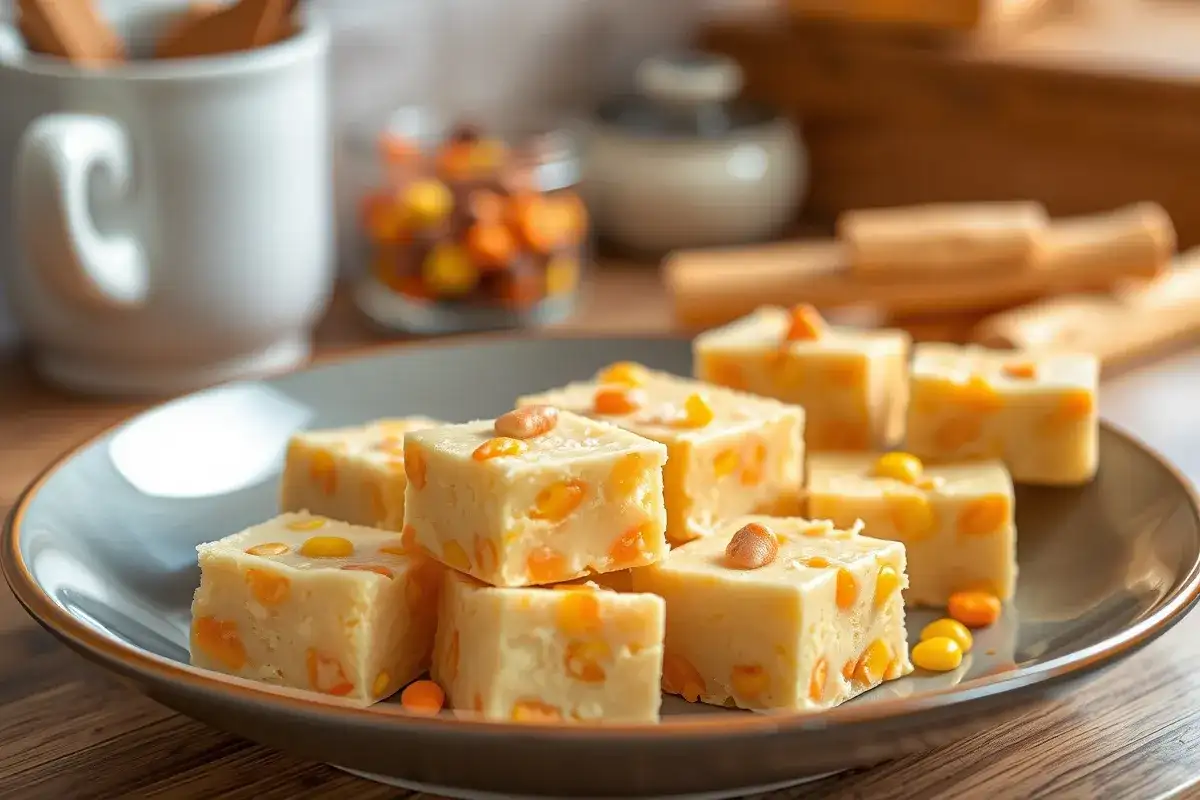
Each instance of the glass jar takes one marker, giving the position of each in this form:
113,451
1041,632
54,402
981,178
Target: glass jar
473,233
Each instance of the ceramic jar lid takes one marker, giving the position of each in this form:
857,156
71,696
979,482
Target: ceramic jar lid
685,96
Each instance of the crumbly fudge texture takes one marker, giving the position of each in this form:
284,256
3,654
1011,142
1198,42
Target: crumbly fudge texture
852,383
818,625
572,652
584,497
956,523
1035,412
311,603
745,456
351,474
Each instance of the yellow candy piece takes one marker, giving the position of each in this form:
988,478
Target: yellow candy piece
902,467
938,654
949,629
449,271
885,585
427,203
327,547
562,276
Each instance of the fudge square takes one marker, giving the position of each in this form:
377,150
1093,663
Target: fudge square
730,453
1035,412
852,383
583,496
814,620
955,520
351,474
312,603
572,652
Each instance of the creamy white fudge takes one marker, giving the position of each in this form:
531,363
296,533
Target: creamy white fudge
851,382
584,497
730,453
955,520
1036,412
312,603
819,624
351,474
572,652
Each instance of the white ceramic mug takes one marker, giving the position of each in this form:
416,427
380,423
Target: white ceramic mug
173,219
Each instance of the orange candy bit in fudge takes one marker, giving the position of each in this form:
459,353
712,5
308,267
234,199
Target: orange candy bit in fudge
380,685
624,373
325,674
423,698
697,412
558,500
322,469
327,547
535,711
306,524
805,324
847,588
873,663
974,609
681,678
269,588
983,515
625,477
1019,370
755,467
582,660
912,515
902,467
817,680
455,556
220,641
979,396
579,612
886,584
726,463
269,548
815,562
378,569
487,556
546,565
414,466
1075,406
630,547
749,681
490,245
527,422
752,546
499,447
617,400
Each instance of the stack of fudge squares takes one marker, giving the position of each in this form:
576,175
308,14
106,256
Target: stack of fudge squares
746,539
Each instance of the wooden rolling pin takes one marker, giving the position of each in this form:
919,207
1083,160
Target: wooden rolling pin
1115,327
712,287
1137,241
939,240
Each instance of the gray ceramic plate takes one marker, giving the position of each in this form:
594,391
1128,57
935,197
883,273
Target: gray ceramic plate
100,550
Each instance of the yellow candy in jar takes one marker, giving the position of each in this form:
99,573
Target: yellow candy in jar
449,271
562,275
427,203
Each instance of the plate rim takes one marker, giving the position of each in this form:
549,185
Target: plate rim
152,668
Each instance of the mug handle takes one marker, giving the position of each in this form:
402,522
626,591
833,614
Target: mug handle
56,160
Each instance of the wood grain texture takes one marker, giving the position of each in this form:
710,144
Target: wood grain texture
68,730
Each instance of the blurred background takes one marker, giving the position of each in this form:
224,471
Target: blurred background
656,132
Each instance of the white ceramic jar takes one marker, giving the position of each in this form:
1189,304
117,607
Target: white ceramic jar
683,164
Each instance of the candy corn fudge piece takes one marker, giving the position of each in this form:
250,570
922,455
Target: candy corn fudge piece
312,603
574,497
351,474
780,613
852,383
731,453
955,520
572,652
1035,412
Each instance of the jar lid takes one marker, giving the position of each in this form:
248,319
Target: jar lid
690,95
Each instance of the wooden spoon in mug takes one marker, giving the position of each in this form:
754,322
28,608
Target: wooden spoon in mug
245,25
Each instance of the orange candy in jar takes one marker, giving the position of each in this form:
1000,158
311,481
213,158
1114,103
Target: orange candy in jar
473,233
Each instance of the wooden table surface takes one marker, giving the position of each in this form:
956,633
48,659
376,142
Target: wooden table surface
69,731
